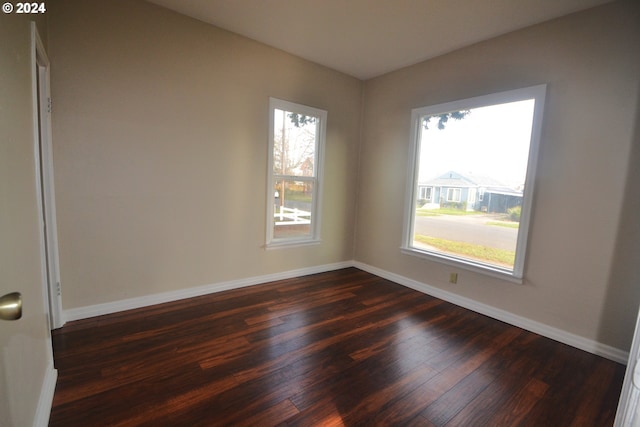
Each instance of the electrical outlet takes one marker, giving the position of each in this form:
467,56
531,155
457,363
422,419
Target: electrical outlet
453,278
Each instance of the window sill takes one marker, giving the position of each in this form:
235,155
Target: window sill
464,264
291,244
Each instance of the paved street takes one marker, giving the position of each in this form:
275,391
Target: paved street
472,229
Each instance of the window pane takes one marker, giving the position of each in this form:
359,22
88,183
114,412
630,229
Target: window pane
292,208
475,162
294,144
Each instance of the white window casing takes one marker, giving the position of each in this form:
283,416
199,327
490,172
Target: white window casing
515,274
302,176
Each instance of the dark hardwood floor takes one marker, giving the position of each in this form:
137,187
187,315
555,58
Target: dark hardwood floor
338,348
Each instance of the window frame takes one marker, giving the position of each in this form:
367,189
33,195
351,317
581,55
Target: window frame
538,93
455,191
316,199
428,193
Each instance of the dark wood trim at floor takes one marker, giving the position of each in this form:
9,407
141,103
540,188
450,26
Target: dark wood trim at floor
338,348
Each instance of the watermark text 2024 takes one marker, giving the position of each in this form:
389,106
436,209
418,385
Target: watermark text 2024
24,7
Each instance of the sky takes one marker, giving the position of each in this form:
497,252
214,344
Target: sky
301,139
491,141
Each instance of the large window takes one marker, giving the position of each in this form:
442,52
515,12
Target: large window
296,144
478,156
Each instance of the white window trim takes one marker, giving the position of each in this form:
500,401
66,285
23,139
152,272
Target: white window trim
426,193
316,201
517,274
454,191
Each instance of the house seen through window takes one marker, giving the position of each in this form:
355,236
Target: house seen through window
472,172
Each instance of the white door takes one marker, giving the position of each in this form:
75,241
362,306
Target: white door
27,375
628,414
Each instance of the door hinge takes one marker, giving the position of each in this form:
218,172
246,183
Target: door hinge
49,105
58,289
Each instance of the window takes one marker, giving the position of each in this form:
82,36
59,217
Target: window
453,195
425,193
296,143
478,156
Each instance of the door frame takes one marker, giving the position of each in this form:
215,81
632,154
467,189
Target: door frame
43,151
630,394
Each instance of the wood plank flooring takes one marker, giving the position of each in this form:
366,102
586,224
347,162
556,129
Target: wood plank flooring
343,348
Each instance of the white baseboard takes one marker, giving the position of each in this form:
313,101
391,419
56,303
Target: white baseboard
556,334
45,402
131,303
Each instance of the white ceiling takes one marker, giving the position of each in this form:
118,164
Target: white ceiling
367,38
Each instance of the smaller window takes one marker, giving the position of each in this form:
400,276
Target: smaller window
296,145
453,195
425,193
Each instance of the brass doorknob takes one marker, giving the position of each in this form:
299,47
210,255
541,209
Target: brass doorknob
11,306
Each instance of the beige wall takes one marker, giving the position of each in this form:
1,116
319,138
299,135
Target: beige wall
160,127
591,63
25,355
160,135
623,291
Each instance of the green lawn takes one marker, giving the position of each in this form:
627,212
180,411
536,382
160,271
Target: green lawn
297,196
481,253
504,224
445,211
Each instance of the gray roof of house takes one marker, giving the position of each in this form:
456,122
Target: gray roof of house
456,179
